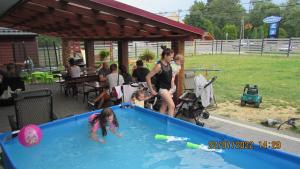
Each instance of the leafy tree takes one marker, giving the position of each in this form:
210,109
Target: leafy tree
282,33
223,12
291,20
231,30
261,10
43,39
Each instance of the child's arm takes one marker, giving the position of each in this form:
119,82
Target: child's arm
114,131
95,137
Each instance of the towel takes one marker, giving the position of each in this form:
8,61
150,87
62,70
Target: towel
206,94
119,92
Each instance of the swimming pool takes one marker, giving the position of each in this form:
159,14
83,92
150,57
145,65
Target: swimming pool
66,144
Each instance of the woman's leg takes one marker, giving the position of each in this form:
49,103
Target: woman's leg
163,107
168,101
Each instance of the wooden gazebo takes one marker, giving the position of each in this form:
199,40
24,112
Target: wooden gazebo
91,20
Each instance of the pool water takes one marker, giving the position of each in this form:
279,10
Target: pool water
67,145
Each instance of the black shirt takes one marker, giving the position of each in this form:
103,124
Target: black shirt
140,74
127,78
164,78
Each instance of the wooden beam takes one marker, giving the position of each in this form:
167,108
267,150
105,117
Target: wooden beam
178,47
111,10
123,53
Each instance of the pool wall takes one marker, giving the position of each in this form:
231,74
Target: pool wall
9,164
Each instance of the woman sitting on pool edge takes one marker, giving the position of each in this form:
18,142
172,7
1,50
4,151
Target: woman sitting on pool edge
102,120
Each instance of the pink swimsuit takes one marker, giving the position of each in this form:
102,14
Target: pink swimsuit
96,125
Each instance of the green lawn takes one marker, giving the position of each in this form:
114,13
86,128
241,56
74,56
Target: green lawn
277,77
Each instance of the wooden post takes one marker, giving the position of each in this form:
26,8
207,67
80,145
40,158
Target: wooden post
178,47
89,53
240,46
195,48
212,47
123,53
66,51
289,47
221,46
262,46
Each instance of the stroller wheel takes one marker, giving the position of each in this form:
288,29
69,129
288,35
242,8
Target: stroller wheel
199,123
205,115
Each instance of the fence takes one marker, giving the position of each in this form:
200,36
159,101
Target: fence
51,55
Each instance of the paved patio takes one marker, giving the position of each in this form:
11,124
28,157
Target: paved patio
65,106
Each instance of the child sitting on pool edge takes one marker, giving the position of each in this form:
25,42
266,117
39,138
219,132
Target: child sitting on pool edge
138,98
106,118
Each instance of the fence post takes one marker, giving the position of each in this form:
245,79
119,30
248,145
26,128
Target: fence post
212,47
216,46
55,52
48,56
262,46
195,47
240,46
289,48
221,46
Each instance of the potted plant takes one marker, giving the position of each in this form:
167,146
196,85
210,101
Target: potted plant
147,55
103,54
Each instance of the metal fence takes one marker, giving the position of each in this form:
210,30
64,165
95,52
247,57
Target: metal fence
51,55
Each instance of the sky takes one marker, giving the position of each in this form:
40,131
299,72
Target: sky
157,6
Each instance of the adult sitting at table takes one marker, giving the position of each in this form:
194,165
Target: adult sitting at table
103,72
139,74
114,79
73,70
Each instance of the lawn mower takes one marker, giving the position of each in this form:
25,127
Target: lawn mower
251,96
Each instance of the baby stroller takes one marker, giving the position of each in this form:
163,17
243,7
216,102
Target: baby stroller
193,103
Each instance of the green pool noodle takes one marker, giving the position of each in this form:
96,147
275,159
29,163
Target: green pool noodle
161,137
192,145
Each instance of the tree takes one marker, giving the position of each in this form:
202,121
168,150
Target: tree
223,12
214,15
43,39
291,21
282,33
231,30
261,10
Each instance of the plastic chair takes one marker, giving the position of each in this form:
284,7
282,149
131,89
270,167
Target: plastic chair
32,107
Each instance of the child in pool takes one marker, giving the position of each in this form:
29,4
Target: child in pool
138,98
106,118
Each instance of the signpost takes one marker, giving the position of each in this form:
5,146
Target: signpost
273,22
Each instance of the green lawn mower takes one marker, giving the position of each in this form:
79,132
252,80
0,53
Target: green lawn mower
251,96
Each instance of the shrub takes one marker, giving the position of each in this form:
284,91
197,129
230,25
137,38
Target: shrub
103,54
147,55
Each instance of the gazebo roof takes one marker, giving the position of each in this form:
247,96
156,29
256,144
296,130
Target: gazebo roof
93,19
13,32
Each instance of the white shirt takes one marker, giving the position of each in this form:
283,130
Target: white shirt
113,80
75,71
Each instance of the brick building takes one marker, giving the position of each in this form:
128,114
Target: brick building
16,45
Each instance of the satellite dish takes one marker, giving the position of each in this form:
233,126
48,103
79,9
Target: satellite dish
272,19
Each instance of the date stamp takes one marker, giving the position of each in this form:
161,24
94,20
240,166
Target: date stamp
247,145
243,145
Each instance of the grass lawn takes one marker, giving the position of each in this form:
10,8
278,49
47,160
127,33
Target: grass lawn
277,77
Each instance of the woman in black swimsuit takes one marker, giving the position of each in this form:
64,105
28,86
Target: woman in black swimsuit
163,72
